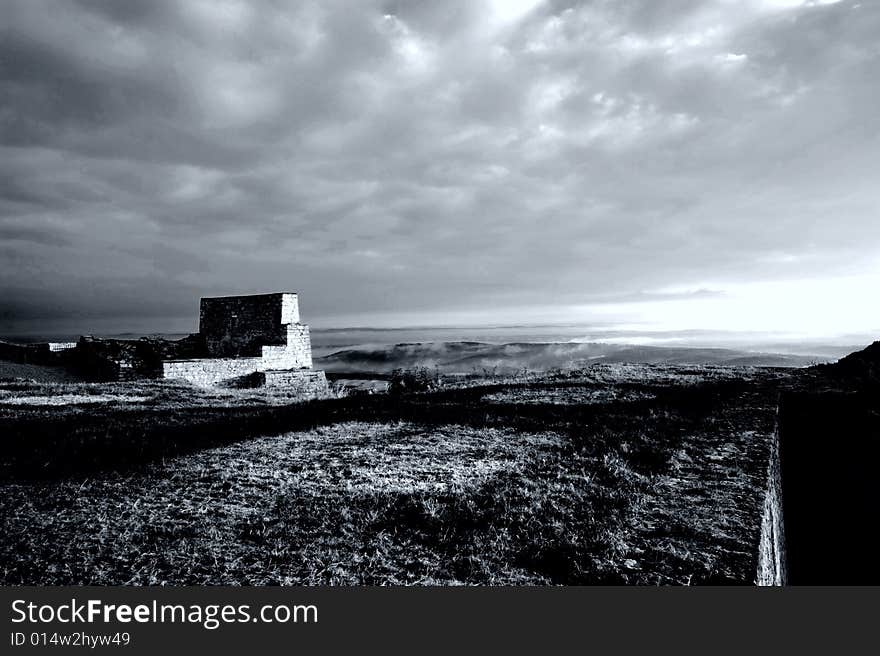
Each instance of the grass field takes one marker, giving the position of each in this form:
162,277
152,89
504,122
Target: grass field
616,474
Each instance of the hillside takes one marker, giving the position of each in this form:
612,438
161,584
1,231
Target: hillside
36,372
469,357
860,367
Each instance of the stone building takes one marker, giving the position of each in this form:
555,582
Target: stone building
257,337
251,341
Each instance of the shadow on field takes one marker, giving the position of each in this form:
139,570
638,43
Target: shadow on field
829,450
59,442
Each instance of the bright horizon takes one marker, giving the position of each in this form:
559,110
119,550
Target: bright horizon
823,311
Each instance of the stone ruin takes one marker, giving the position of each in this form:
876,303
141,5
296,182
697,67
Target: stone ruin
243,341
257,337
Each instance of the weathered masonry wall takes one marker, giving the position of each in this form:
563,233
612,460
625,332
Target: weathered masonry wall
295,354
235,326
208,372
772,570
308,384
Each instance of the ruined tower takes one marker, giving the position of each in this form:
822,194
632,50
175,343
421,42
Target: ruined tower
247,335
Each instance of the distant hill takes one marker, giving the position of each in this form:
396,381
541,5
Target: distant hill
468,357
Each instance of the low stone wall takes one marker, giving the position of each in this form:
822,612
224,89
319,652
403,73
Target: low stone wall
309,384
771,549
208,372
213,371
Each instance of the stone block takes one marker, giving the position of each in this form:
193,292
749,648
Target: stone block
210,371
303,383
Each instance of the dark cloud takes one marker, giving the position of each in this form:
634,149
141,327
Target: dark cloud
434,158
32,234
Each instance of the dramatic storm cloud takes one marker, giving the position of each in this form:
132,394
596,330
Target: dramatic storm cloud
676,162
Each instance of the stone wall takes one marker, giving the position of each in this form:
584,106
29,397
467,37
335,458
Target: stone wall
307,384
235,326
245,335
771,548
213,371
295,354
210,371
99,358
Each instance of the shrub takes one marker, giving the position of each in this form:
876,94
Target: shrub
420,379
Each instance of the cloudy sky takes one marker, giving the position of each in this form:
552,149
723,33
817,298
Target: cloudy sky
668,163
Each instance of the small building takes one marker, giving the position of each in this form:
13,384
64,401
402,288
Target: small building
258,337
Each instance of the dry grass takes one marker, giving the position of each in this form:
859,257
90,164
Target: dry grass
38,373
661,486
141,394
579,395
